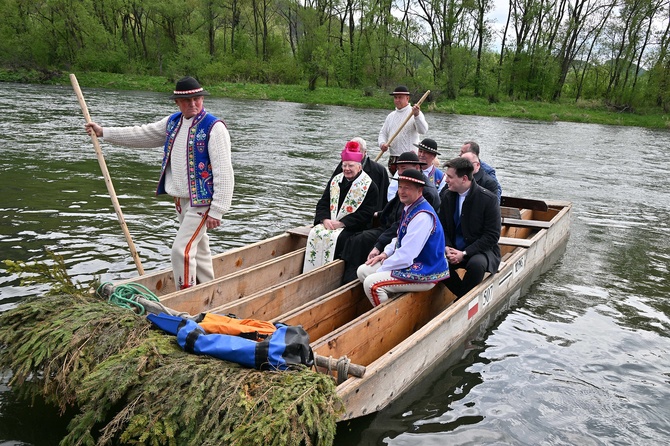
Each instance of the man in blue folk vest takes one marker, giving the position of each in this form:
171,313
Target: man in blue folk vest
196,170
427,154
414,260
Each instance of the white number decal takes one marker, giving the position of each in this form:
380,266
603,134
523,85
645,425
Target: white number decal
487,296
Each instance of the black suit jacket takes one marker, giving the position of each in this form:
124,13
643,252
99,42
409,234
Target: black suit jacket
480,222
486,181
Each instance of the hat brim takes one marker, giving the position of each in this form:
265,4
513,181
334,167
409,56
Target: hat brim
410,179
420,163
398,93
189,95
426,149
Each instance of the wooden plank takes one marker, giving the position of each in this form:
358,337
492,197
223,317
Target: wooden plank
302,231
539,224
227,289
510,212
162,282
374,333
523,203
330,312
269,303
511,241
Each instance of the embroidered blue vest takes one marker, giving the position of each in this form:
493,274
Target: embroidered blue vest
200,181
436,177
430,265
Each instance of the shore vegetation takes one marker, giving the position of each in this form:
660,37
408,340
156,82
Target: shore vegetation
595,61
584,111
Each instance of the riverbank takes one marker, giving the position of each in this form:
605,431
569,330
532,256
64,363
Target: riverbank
592,112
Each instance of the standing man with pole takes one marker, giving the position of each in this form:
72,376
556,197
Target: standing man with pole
196,171
408,136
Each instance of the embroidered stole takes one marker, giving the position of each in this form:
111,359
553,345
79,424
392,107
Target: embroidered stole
321,242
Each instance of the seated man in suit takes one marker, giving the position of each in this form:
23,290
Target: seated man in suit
470,217
414,259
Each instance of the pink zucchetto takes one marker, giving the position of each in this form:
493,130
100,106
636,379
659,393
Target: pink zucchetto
352,152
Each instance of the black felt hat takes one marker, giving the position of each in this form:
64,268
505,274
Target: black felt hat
409,158
400,89
188,87
428,145
414,176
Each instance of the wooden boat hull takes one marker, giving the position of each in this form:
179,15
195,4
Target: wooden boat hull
398,341
395,371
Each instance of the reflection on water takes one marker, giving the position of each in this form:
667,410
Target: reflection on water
582,358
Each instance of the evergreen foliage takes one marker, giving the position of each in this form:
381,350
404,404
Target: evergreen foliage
134,385
52,272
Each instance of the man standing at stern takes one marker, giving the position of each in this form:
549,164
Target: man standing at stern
414,259
196,171
409,135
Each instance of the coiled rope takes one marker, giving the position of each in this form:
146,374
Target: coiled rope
342,368
125,296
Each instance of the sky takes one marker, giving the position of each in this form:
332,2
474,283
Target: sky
497,18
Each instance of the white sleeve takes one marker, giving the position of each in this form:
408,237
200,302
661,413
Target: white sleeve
222,170
385,132
139,136
393,188
418,231
421,124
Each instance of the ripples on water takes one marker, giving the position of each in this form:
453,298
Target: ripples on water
581,359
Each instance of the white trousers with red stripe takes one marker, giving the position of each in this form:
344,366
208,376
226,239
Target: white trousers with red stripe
191,256
380,286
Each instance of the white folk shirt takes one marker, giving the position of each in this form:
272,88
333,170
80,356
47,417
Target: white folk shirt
176,173
427,173
408,136
418,231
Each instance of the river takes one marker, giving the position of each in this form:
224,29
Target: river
582,358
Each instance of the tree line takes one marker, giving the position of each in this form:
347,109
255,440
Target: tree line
614,51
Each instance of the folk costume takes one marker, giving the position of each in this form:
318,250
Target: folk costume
435,176
352,202
196,171
357,248
415,257
408,136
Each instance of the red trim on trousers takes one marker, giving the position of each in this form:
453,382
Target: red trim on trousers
188,249
373,288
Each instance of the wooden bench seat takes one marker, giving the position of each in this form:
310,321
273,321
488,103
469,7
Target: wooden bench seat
511,241
520,223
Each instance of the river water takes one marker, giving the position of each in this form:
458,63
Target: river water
582,358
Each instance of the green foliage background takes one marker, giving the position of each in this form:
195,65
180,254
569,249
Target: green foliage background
606,53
